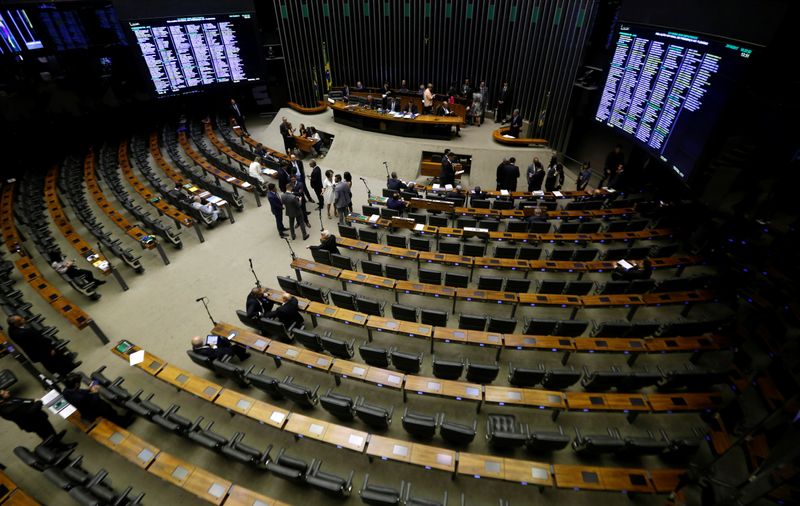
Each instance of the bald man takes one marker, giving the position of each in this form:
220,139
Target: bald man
219,350
288,312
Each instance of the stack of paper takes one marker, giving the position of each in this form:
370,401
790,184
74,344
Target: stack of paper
558,194
504,193
374,218
419,226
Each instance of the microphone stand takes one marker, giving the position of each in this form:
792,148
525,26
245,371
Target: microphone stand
291,251
386,166
369,192
205,304
321,225
258,283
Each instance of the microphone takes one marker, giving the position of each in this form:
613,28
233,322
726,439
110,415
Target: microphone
361,178
198,300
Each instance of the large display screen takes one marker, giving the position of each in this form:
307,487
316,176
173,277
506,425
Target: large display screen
666,90
188,53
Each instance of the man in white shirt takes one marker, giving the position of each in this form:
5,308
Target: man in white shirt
208,210
255,169
427,99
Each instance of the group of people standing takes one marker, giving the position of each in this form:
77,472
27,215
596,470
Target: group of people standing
552,178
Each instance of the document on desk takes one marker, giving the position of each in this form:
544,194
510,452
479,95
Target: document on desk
374,218
506,136
538,193
558,194
504,193
419,227
436,186
214,199
625,264
137,357
448,187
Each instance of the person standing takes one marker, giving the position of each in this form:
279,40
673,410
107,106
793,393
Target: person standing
284,175
238,116
560,172
583,177
535,175
348,178
276,206
510,175
516,124
287,135
294,211
298,189
427,99
327,192
342,198
503,102
299,172
613,160
498,175
29,416
38,347
315,180
447,174
484,91
551,178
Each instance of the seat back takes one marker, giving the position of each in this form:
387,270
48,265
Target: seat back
340,406
529,253
322,256
374,416
310,340
438,221
430,277
546,441
398,273
342,262
299,394
388,214
490,283
540,327
433,317
374,355
447,369
348,231
338,347
200,360
369,210
230,371
464,222
561,254
398,241
578,287
613,287
372,268
369,306
471,322
456,280
571,328
558,379
501,325
313,293
409,363
525,377
368,235
276,330
457,433
517,285
584,255
405,313
482,373
450,248
419,244
344,300
516,226
615,328
419,425
552,287
290,285
474,250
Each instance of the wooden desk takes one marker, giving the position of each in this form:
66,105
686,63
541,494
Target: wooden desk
509,264
444,259
351,244
389,449
626,480
527,472
611,344
308,358
415,288
523,237
20,498
666,480
690,297
524,397
365,220
481,466
431,204
124,443
305,426
498,134
675,344
385,378
391,251
457,233
151,364
268,414
595,401
365,279
473,337
538,299
315,268
431,457
184,380
579,477
670,403
345,437
351,317
457,390
526,342
620,300
194,480
218,174
241,336
471,294
240,496
345,369
423,126
401,327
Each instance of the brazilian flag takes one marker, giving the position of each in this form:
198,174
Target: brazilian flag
328,79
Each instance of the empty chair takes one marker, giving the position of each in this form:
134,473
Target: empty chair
479,203
379,495
321,255
540,327
405,313
491,226
643,328
570,227
615,328
542,441
578,287
691,378
516,226
616,226
438,221
369,210
447,369
368,235
490,283
299,394
224,368
205,437
374,355
433,317
590,227
601,381
342,262
398,241
419,218
503,433
398,273
372,268
558,379
338,405
682,448
501,325
456,280
450,248
506,251
309,339
641,285
482,373
457,433
597,444
571,328
408,362
613,287
430,277
637,225
517,285
342,299
584,255
649,445
666,250
419,424
329,483
638,253
561,254
525,377
674,285
348,231
615,253
474,250
373,415
471,322
288,468
539,227
369,306
422,501
264,383
466,222
529,253
238,451
337,347
313,293
636,380
502,204
291,285
552,287
388,214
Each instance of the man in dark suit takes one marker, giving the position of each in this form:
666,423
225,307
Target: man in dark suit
276,206
444,110
29,416
297,169
89,403
395,184
410,108
466,89
287,135
327,242
224,347
516,124
238,116
498,174
288,313
509,174
315,180
257,303
284,175
294,211
38,347
447,175
503,102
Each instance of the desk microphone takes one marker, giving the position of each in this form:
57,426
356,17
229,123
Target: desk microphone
198,300
361,178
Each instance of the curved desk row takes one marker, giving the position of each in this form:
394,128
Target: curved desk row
498,136
424,126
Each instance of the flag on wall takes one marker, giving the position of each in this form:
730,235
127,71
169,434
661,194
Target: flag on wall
543,111
328,80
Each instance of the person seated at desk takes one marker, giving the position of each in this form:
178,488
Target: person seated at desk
218,347
257,303
30,417
177,195
516,124
403,86
89,403
288,312
303,130
411,189
636,270
478,193
261,150
391,105
395,184
409,108
371,103
444,110
396,203
63,265
359,86
314,135
254,170
539,215
327,242
38,347
208,210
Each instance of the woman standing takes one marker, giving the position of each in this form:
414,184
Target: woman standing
327,192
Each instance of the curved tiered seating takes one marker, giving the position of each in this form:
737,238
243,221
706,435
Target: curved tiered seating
12,495
218,174
232,156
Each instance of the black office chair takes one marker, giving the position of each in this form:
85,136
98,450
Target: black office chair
290,285
466,222
397,273
321,256
525,377
409,363
338,405
539,227
561,254
479,203
545,441
368,235
375,416
482,373
584,255
529,253
643,328
517,285
490,283
505,251
263,382
578,287
571,328
329,483
438,221
344,300
457,433
613,328
369,210
597,444
419,425
570,227
398,241
370,306
388,214
419,218
223,367
501,325
372,268
503,205
430,277
374,355
309,339
380,495
456,280
419,244
471,322
590,227
641,285
540,327
516,226
645,445
613,287
601,381
615,254
405,313
450,248
433,317
337,347
342,262
551,287
301,395
474,250
348,231
422,501
561,378
503,433
447,369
